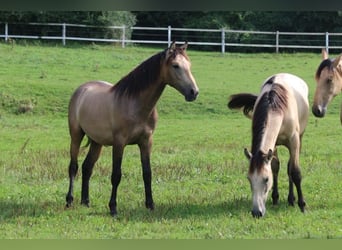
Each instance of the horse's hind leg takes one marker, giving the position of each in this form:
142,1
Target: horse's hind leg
116,176
76,139
87,170
295,176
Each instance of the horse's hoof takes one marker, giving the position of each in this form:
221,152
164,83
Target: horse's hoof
302,206
150,205
85,203
113,213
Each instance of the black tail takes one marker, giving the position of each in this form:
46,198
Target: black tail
242,100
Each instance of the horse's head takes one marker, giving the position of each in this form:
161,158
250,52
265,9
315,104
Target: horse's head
261,179
177,72
329,83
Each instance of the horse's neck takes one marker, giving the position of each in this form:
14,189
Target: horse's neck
146,100
271,132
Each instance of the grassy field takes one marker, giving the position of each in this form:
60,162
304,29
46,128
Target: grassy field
198,166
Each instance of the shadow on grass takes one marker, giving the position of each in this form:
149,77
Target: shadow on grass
236,207
14,209
180,210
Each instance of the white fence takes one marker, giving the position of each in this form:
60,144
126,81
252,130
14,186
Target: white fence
221,38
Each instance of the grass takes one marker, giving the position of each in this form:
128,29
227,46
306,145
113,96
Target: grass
199,170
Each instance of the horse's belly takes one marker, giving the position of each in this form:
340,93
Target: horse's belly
100,134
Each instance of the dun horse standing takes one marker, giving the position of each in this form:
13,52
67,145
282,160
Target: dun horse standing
123,114
329,84
279,117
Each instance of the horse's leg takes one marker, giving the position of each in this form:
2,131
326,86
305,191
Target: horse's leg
116,176
76,139
275,170
290,198
87,170
145,152
295,173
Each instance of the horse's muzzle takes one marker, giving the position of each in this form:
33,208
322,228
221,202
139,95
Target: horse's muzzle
257,213
318,111
192,95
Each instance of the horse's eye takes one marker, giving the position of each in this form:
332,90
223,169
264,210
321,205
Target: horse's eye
266,180
175,66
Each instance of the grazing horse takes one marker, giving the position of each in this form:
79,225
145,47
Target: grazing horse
329,84
124,114
279,116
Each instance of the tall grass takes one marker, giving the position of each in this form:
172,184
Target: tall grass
199,170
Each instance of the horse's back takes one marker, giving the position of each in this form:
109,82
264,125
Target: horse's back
88,94
298,93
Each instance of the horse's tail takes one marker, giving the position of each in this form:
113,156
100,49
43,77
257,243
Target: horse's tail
243,100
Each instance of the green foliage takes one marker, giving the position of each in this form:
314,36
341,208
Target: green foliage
199,170
98,18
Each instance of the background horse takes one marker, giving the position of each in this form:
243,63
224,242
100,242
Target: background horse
279,117
329,84
124,114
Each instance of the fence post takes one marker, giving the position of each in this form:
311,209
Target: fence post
6,32
277,41
63,33
327,42
223,41
123,36
169,36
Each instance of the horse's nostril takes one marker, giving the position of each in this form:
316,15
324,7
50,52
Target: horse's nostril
318,111
193,92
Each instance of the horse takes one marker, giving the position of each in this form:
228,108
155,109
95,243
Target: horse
328,84
279,116
124,114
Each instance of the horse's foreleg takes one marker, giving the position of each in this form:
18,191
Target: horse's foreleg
275,170
145,151
87,170
116,177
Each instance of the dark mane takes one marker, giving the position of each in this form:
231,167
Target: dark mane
325,63
275,99
141,77
146,73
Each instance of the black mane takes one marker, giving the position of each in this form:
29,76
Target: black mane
325,63
276,100
146,73
141,77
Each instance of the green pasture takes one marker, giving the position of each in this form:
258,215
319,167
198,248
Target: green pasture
199,169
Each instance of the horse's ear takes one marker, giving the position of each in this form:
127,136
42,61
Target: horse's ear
337,64
172,46
247,154
184,46
324,54
269,155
